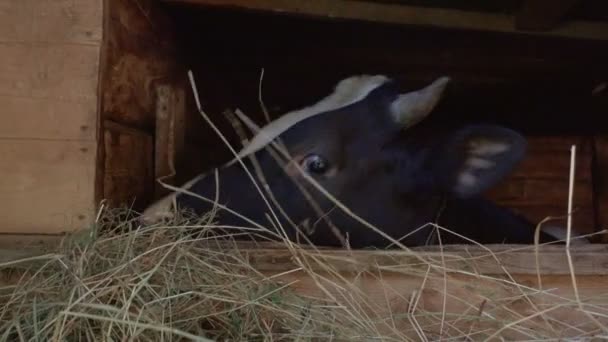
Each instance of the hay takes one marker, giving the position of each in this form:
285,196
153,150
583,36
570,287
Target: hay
190,280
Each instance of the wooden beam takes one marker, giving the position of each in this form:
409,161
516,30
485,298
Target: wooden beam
170,134
542,15
488,260
274,257
407,15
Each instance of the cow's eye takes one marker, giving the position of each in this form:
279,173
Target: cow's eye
315,163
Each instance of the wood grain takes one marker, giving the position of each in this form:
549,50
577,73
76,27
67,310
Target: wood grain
601,184
46,186
487,260
49,64
170,135
49,71
139,54
128,166
48,119
51,21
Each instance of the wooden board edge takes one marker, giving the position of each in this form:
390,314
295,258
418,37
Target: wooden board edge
408,15
498,260
169,139
586,260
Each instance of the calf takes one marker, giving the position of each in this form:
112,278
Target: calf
363,145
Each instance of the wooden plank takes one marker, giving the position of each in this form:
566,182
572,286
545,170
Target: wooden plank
61,72
393,288
46,186
541,191
408,15
583,219
49,64
140,52
548,158
601,184
19,246
169,141
31,118
51,21
554,165
470,306
486,260
128,166
543,14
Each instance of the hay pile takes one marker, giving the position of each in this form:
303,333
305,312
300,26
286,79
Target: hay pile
163,283
151,284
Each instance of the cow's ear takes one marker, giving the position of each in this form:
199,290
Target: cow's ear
410,108
475,158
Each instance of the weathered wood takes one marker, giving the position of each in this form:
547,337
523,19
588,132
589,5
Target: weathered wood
54,21
487,260
170,134
538,187
44,118
128,166
468,288
47,186
543,14
49,71
601,184
408,15
519,191
49,61
19,246
471,307
583,218
139,53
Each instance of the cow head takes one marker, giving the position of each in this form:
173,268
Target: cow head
361,144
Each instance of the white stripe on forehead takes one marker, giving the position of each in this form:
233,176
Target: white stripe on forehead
348,91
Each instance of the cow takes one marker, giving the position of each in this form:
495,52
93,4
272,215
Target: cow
358,167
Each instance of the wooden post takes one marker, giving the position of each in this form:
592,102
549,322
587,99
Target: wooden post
169,137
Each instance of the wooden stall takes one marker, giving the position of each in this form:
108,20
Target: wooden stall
96,104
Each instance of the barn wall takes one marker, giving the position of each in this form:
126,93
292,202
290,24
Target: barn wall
49,62
139,58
